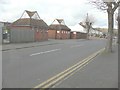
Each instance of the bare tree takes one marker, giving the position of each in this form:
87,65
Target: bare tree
87,24
110,6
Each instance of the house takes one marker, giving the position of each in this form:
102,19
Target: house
29,28
78,32
58,30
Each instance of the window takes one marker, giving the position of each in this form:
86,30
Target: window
74,32
58,31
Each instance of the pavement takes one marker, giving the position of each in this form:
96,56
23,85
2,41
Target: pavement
102,72
11,46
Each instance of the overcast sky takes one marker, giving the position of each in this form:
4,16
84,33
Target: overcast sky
72,11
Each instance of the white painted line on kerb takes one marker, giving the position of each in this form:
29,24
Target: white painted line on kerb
45,52
76,46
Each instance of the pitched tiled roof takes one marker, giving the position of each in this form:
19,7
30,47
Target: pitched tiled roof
59,27
30,22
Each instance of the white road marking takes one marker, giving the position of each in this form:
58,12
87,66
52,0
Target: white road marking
44,52
76,46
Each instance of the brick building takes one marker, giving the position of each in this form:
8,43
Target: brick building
77,35
29,28
58,30
78,32
74,35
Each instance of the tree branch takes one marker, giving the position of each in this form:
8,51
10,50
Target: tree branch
116,6
99,4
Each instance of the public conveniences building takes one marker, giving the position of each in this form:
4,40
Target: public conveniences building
29,28
58,30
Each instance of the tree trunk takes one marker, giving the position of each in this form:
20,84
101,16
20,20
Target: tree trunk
88,33
88,29
110,31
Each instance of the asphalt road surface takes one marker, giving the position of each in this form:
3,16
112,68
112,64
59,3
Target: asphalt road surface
28,67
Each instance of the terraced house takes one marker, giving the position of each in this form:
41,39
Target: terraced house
29,28
58,30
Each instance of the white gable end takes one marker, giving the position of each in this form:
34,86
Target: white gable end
55,22
25,15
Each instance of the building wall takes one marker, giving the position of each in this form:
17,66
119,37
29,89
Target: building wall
27,34
21,34
58,34
66,34
72,36
75,35
78,35
41,35
52,34
83,35
45,37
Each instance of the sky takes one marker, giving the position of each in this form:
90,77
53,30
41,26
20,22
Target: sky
72,11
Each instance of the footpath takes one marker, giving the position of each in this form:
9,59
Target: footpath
102,72
12,46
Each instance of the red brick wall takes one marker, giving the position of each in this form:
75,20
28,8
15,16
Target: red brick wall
63,35
78,35
51,34
41,35
75,36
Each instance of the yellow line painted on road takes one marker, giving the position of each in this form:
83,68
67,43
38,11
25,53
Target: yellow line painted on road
52,81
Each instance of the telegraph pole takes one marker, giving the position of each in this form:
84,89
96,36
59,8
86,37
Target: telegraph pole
118,42
119,24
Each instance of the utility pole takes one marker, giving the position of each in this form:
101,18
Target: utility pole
118,39
119,24
1,67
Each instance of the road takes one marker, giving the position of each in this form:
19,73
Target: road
28,67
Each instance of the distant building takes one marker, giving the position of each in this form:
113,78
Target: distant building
74,35
95,32
29,28
78,32
77,35
58,30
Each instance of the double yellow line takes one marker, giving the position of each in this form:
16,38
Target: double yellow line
52,81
